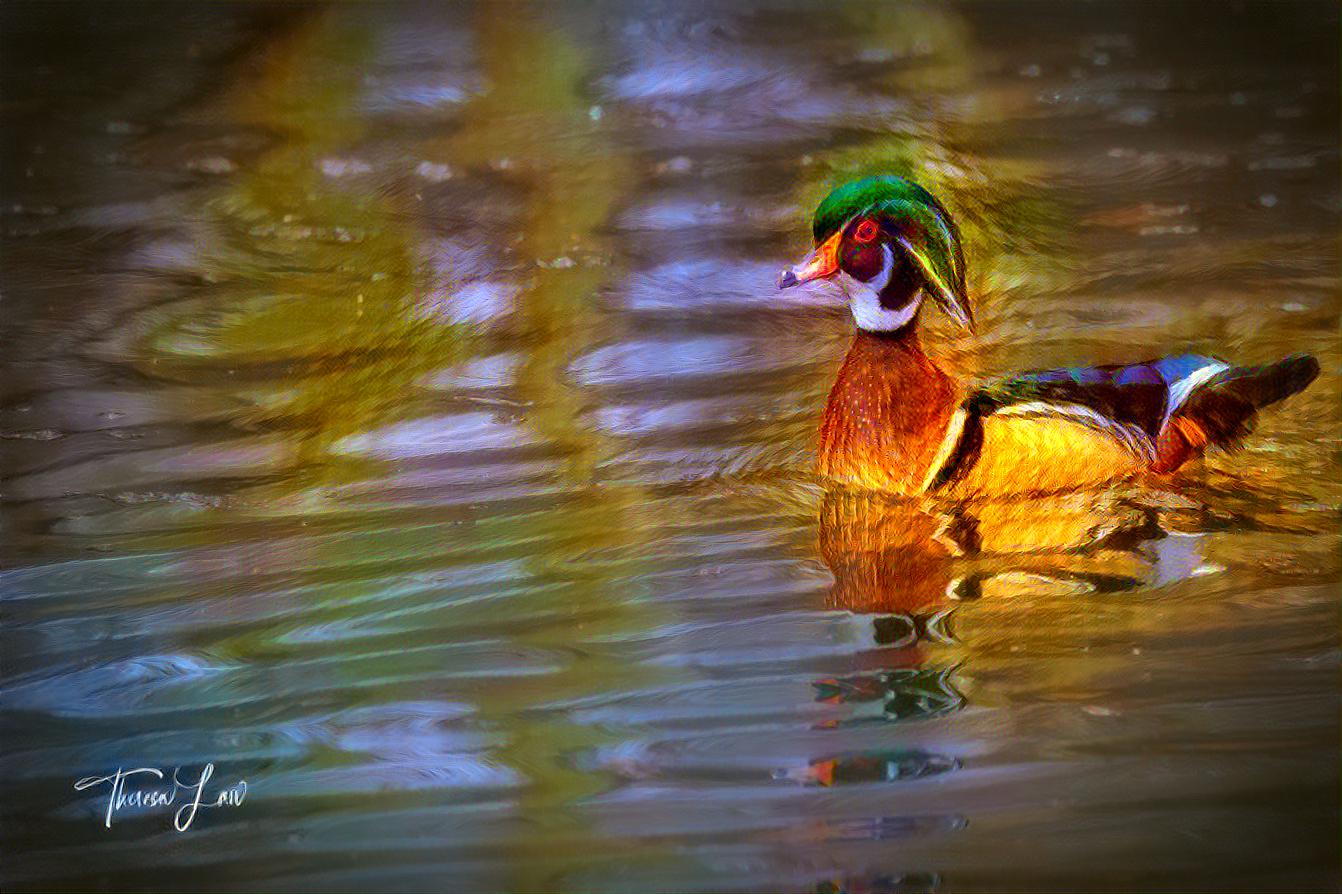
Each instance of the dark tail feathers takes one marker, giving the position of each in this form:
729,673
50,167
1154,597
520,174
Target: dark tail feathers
1226,404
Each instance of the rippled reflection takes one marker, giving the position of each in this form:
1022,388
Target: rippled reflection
399,413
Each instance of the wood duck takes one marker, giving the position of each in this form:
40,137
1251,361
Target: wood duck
896,421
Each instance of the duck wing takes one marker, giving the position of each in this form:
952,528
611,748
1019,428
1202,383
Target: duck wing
1081,413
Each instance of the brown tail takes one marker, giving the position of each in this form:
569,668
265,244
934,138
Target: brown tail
1221,412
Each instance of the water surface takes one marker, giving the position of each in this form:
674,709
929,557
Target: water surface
397,412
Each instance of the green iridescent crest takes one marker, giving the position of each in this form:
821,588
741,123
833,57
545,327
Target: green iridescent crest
922,226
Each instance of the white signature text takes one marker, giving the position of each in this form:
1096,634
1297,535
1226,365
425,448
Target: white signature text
128,789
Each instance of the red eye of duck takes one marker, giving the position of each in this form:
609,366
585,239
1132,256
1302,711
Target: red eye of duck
866,231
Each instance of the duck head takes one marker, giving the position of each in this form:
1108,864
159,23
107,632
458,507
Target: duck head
887,244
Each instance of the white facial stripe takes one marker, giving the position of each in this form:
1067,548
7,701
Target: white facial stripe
865,299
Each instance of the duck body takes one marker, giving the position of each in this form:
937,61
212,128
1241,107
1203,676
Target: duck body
896,421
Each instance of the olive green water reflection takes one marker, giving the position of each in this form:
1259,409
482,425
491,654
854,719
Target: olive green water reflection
399,414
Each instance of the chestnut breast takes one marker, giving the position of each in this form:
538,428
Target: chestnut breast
887,414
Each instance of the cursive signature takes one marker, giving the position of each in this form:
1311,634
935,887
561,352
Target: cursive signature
190,795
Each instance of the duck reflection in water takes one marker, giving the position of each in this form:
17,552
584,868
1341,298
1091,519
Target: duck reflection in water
900,586
902,568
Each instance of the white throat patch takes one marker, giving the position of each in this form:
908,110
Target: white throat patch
864,298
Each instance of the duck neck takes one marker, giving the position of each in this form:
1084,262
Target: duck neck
891,309
897,358
903,340
887,412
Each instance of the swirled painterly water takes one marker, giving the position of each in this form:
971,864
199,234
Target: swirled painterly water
398,414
